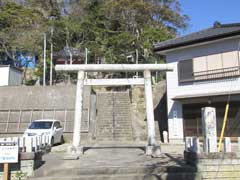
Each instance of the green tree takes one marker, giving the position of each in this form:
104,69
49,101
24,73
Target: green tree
114,29
110,29
20,29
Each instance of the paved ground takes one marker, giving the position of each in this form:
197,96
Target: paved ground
115,163
111,157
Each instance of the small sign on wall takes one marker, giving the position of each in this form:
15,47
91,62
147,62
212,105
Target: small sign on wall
175,123
8,152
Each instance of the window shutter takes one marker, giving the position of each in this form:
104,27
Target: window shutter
214,62
230,59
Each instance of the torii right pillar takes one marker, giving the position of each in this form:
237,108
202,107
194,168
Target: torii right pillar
152,148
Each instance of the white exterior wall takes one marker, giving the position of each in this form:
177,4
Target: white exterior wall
175,120
4,76
10,76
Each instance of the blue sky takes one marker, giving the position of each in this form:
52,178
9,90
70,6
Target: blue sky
203,13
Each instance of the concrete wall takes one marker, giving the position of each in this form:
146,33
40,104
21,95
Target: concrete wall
19,105
175,119
28,97
15,77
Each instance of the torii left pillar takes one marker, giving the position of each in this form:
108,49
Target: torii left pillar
152,148
76,148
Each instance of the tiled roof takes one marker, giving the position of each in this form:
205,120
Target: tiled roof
218,31
76,52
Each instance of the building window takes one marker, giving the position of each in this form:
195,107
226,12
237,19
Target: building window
185,69
214,66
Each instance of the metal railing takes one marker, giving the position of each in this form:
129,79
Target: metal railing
210,74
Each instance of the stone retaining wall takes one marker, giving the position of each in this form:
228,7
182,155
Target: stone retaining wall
139,111
215,165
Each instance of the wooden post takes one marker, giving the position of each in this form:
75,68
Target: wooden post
5,171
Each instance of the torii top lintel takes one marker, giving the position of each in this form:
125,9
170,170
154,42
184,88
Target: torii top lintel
114,67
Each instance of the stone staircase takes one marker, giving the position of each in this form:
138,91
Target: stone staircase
113,117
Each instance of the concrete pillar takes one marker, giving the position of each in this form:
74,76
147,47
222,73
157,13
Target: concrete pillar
209,129
165,136
188,143
29,144
152,148
78,111
22,144
212,145
149,108
227,145
238,145
196,145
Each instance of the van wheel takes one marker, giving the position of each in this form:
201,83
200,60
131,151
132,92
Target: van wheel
52,141
62,140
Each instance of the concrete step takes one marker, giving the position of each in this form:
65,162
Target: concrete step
109,131
130,172
115,139
116,125
163,176
122,125
107,137
103,131
110,170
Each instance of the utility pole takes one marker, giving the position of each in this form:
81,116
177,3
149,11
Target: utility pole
86,60
51,57
44,59
137,61
137,53
156,74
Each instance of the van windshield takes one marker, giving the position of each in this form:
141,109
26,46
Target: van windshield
41,125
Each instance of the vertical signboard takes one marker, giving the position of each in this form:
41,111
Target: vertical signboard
8,154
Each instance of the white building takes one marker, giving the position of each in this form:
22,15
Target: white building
10,76
206,71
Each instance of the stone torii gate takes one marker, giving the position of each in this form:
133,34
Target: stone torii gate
145,68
